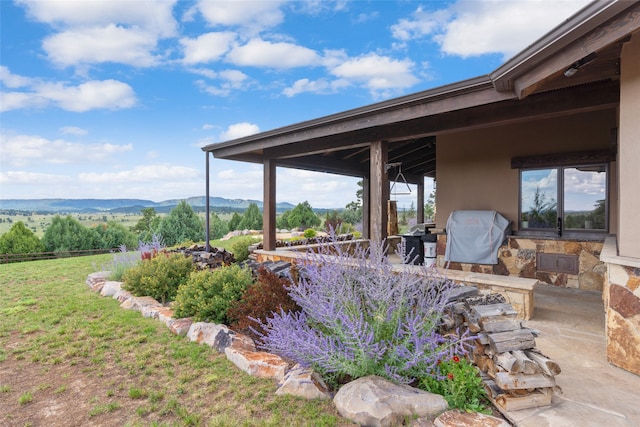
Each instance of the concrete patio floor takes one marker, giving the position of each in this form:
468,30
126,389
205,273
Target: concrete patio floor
571,324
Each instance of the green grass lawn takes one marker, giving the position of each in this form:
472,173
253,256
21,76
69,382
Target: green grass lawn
71,357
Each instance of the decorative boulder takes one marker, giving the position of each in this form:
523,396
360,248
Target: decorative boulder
374,401
258,363
304,382
110,288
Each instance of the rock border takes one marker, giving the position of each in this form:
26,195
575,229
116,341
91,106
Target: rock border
352,400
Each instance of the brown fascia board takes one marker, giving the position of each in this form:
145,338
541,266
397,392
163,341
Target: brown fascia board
578,25
361,118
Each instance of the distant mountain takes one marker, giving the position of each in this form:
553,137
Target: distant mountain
126,205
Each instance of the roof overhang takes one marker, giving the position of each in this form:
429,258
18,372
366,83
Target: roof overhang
532,85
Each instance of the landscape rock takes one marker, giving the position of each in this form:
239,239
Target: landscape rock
95,281
138,303
374,401
180,327
258,363
110,288
165,315
304,382
219,337
457,418
122,295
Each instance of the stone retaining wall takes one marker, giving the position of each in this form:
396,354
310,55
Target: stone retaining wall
622,306
518,258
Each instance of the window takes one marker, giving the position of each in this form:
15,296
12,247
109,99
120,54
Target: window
564,199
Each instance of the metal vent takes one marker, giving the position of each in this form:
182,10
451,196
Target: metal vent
557,263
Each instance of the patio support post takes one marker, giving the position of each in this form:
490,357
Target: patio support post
366,205
379,190
420,207
269,206
206,221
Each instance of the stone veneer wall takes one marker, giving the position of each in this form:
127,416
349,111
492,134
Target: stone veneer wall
622,306
518,258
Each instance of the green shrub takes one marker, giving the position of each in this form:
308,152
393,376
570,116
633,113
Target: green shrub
309,233
240,247
260,300
207,295
458,382
158,277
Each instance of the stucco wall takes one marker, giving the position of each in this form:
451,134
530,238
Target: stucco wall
474,167
629,150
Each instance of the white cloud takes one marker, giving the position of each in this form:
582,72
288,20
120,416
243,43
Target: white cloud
207,126
23,150
110,43
73,130
280,55
94,94
470,28
251,16
32,178
239,130
320,86
150,174
152,15
230,80
13,80
206,47
380,74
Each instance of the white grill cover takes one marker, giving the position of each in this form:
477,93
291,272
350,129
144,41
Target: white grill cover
475,236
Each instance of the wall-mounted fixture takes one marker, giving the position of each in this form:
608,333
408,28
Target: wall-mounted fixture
579,63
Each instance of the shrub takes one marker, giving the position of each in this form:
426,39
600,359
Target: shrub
309,233
259,301
360,318
240,247
207,295
458,382
158,277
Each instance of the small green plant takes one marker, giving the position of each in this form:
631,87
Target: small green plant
25,398
5,388
136,393
207,296
309,233
457,380
103,409
240,247
158,277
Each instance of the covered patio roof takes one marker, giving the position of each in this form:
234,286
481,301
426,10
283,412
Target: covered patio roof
572,69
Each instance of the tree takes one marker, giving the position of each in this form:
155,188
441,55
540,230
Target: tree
252,218
217,227
115,235
68,234
147,223
303,216
430,207
182,224
234,222
20,240
283,220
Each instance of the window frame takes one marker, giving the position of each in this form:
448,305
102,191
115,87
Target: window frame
560,181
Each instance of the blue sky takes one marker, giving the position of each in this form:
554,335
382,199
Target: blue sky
114,99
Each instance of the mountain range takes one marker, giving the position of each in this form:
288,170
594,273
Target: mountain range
128,205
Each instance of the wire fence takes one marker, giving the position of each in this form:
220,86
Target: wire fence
8,258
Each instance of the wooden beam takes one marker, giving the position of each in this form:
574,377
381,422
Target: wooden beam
598,39
379,191
366,208
325,164
420,202
269,206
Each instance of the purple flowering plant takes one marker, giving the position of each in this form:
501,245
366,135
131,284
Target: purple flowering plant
361,317
125,259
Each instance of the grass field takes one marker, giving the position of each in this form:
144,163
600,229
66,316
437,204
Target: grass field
69,357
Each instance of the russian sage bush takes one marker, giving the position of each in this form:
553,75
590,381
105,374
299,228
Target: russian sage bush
358,317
